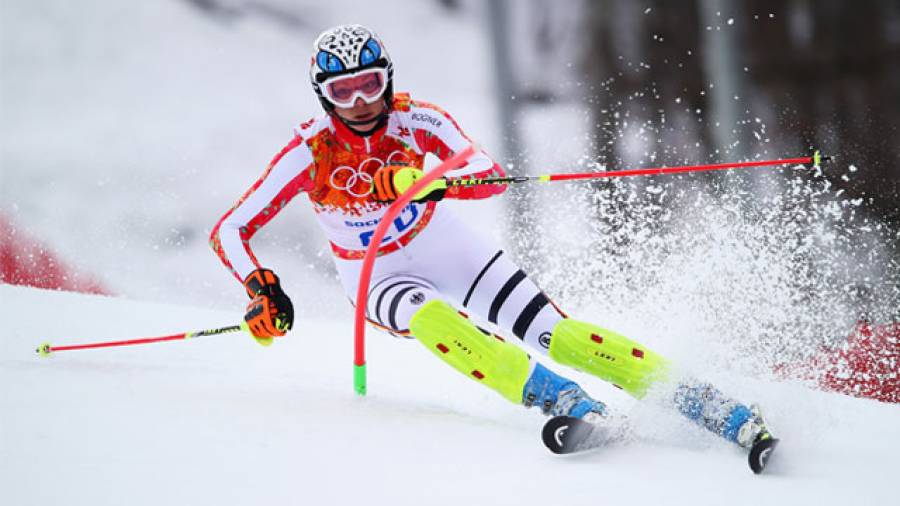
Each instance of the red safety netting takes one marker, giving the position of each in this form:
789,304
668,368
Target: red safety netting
26,261
865,365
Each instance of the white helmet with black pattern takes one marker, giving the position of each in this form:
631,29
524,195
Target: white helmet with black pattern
344,51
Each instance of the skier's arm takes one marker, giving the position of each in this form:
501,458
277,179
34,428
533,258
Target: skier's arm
437,133
284,178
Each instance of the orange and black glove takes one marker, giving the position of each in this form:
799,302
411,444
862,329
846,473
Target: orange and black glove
270,312
390,181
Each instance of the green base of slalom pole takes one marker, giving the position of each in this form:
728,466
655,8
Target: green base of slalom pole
359,379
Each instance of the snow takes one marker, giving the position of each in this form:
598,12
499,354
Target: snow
221,420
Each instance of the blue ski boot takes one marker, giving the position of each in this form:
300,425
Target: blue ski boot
753,429
720,414
559,396
728,418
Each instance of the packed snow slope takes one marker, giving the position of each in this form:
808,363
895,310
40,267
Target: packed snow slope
221,420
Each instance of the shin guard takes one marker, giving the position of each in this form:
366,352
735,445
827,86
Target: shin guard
486,359
607,355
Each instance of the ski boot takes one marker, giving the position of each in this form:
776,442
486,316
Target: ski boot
577,422
722,415
708,406
560,396
752,430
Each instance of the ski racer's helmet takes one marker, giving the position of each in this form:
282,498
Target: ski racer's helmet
350,62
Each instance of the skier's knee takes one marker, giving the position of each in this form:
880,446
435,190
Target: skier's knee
607,355
394,300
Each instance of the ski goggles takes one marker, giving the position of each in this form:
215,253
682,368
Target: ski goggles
368,85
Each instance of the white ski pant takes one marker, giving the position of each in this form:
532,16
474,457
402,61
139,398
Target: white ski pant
451,262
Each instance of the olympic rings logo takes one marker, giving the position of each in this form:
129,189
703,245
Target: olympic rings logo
357,176
350,183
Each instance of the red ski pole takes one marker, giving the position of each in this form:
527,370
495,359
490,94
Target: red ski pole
815,160
46,349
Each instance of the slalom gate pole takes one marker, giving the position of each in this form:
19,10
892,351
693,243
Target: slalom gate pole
46,349
365,275
815,161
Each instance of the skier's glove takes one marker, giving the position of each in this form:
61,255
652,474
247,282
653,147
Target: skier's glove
391,181
270,312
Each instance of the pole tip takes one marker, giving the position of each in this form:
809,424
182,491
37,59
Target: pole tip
44,349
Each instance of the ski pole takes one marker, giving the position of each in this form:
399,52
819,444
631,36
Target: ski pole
46,349
815,161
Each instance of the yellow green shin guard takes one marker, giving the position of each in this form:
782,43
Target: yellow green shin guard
607,355
484,358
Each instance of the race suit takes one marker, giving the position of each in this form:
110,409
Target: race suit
427,252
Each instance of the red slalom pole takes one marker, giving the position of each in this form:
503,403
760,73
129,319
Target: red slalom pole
365,275
815,160
46,349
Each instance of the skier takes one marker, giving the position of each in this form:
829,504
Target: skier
365,151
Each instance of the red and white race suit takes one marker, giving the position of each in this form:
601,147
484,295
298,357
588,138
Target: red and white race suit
427,252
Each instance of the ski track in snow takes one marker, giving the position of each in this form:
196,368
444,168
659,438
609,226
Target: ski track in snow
221,420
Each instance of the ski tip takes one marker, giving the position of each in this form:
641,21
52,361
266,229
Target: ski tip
561,434
554,433
44,350
760,453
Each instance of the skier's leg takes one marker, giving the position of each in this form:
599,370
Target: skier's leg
607,355
499,291
485,282
411,305
496,289
634,368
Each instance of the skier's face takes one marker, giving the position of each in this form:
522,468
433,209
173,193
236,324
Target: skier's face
361,111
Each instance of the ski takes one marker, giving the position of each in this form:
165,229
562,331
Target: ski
565,434
760,453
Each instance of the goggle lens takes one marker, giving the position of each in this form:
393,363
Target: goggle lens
343,90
